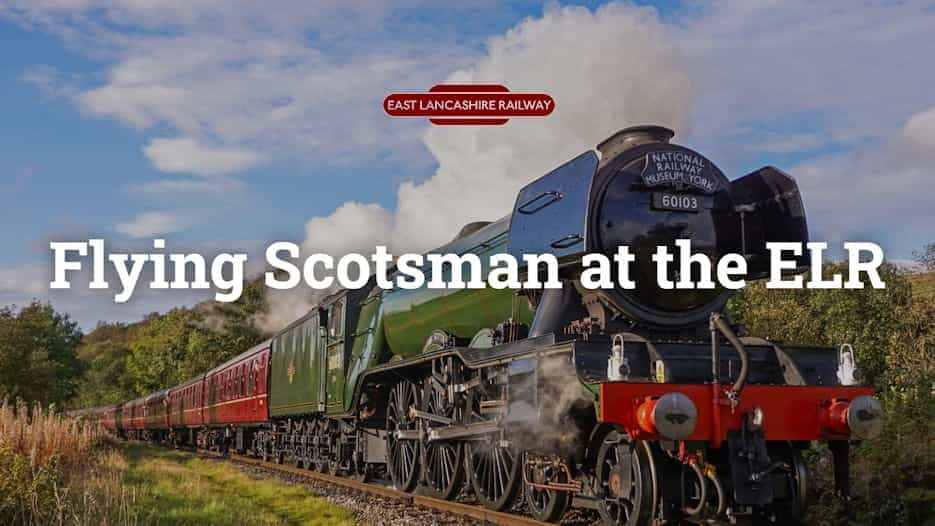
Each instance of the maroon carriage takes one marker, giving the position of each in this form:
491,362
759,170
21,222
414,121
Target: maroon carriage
236,391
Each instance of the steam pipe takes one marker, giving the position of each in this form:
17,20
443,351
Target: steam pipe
719,489
550,313
703,497
725,329
715,353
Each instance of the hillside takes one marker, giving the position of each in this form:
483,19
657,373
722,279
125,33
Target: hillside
123,361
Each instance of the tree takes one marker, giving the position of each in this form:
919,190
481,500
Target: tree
127,361
38,354
105,351
866,318
168,349
926,257
893,333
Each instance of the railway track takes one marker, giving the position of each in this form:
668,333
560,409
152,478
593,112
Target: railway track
460,509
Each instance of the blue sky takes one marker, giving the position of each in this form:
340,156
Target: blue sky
228,125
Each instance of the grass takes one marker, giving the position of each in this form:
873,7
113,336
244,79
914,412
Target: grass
177,488
55,470
923,284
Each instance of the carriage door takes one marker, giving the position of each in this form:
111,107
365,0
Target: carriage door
253,372
334,364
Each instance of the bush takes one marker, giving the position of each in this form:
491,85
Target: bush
893,333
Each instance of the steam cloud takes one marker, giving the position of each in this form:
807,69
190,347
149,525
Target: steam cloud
627,71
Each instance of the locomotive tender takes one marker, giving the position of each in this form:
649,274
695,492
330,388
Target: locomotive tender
644,404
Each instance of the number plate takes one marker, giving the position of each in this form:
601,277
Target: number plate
675,202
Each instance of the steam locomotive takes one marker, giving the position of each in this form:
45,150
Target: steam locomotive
648,405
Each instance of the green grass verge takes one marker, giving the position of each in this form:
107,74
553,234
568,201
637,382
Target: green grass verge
171,487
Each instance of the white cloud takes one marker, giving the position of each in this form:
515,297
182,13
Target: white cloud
850,196
919,133
747,87
50,81
225,188
186,155
299,80
480,169
26,281
846,71
149,224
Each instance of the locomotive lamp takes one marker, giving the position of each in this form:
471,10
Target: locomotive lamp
848,373
865,417
672,415
861,417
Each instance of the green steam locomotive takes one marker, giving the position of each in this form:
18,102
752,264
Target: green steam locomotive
645,404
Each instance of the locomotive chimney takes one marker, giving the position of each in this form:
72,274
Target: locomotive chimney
633,136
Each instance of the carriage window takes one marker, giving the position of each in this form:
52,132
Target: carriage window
336,320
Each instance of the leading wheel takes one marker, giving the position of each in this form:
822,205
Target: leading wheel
626,486
402,453
545,504
494,469
789,506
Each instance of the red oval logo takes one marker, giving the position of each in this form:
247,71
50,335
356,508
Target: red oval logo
468,104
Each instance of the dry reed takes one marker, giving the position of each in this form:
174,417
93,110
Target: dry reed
59,470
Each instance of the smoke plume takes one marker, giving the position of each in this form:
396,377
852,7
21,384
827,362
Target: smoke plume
608,69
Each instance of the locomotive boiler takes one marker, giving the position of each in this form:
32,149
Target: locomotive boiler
646,404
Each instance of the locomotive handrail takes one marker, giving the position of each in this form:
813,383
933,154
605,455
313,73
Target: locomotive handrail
728,333
547,199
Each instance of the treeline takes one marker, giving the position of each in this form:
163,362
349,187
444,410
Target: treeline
45,358
125,361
